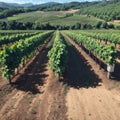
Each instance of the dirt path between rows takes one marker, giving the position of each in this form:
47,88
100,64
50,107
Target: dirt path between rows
36,95
84,93
91,95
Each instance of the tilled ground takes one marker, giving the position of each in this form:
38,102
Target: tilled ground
36,94
91,96
84,92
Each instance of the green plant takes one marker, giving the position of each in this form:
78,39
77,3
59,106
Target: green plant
11,57
58,55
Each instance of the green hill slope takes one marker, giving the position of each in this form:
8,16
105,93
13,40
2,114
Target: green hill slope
54,18
107,10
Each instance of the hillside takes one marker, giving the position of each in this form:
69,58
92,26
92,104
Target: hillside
107,10
12,5
54,18
53,6
14,8
71,15
49,5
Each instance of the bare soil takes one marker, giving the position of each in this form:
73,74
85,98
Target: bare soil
84,92
36,94
116,21
91,95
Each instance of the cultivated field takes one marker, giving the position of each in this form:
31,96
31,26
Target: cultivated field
53,17
59,75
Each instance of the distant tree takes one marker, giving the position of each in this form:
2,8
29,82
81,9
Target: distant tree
118,27
72,27
36,26
114,1
68,14
86,26
77,26
3,25
83,26
89,26
105,25
28,25
98,24
111,26
11,25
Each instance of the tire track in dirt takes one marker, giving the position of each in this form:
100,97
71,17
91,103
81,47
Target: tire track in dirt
11,105
86,100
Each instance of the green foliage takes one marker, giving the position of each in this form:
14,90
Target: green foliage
10,12
13,38
108,10
58,55
12,57
107,53
110,36
59,6
47,20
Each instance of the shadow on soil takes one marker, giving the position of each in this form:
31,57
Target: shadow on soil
33,75
79,73
116,73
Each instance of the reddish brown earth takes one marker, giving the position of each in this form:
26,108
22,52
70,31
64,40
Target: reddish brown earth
84,92
91,96
36,94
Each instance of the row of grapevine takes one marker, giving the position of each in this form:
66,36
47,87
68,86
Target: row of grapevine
12,32
11,57
14,38
58,55
106,53
106,36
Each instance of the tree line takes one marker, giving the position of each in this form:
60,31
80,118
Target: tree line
14,25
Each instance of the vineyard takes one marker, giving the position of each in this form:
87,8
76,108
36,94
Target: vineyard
60,75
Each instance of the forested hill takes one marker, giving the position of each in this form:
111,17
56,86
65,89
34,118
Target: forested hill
53,6
12,5
107,10
50,6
